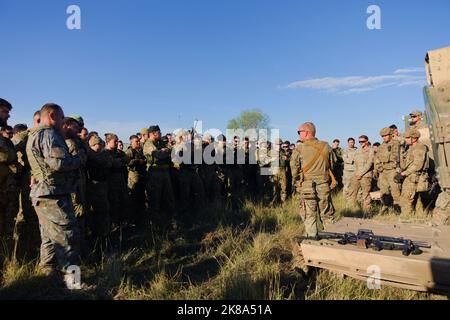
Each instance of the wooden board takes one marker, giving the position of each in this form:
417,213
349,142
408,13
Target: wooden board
428,271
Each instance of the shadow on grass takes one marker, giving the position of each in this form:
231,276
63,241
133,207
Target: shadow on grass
43,288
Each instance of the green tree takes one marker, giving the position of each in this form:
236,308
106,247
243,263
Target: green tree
250,119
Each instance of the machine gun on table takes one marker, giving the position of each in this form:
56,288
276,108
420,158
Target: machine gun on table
367,239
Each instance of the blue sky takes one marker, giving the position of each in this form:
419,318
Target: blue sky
136,63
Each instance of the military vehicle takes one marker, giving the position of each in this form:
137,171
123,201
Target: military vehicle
365,249
437,111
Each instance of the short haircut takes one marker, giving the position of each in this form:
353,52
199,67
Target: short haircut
70,121
336,140
310,127
5,104
393,127
120,141
134,137
37,114
82,129
110,136
351,139
376,144
50,107
364,137
20,128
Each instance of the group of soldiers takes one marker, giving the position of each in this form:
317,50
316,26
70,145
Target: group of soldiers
73,188
399,171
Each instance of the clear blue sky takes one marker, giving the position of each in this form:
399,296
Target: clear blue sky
136,63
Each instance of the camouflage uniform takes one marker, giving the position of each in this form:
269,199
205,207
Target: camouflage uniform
280,179
296,183
137,166
55,172
414,166
265,182
98,166
159,191
312,170
386,164
349,169
77,147
8,158
117,187
27,224
364,168
191,192
210,178
338,168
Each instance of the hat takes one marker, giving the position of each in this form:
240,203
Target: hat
416,113
94,140
412,133
278,141
144,131
78,119
385,132
153,129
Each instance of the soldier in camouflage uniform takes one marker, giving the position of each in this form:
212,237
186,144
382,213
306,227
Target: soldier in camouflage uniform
338,168
280,176
265,182
208,172
99,167
362,178
117,184
250,169
8,158
159,191
313,172
76,147
349,167
414,167
386,161
191,193
27,226
54,173
137,167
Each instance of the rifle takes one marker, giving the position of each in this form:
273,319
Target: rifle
365,239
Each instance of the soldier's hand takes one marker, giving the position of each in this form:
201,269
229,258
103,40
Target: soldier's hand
398,178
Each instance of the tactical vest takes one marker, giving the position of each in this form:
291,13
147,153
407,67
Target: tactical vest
53,181
388,155
314,159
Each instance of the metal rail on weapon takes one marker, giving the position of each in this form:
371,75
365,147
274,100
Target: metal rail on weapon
366,239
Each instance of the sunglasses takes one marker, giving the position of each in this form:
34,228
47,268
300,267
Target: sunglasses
299,131
362,141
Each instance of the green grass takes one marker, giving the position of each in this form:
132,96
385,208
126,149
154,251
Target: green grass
228,256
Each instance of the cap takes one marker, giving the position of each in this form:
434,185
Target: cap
416,113
78,119
385,132
278,141
412,133
94,140
153,129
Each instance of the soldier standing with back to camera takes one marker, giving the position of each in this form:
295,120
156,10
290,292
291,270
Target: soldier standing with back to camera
313,169
54,173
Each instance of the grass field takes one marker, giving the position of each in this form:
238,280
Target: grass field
228,256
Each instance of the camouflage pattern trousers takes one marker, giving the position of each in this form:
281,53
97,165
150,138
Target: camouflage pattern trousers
99,219
346,181
59,232
160,197
408,196
280,186
365,184
388,187
316,206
